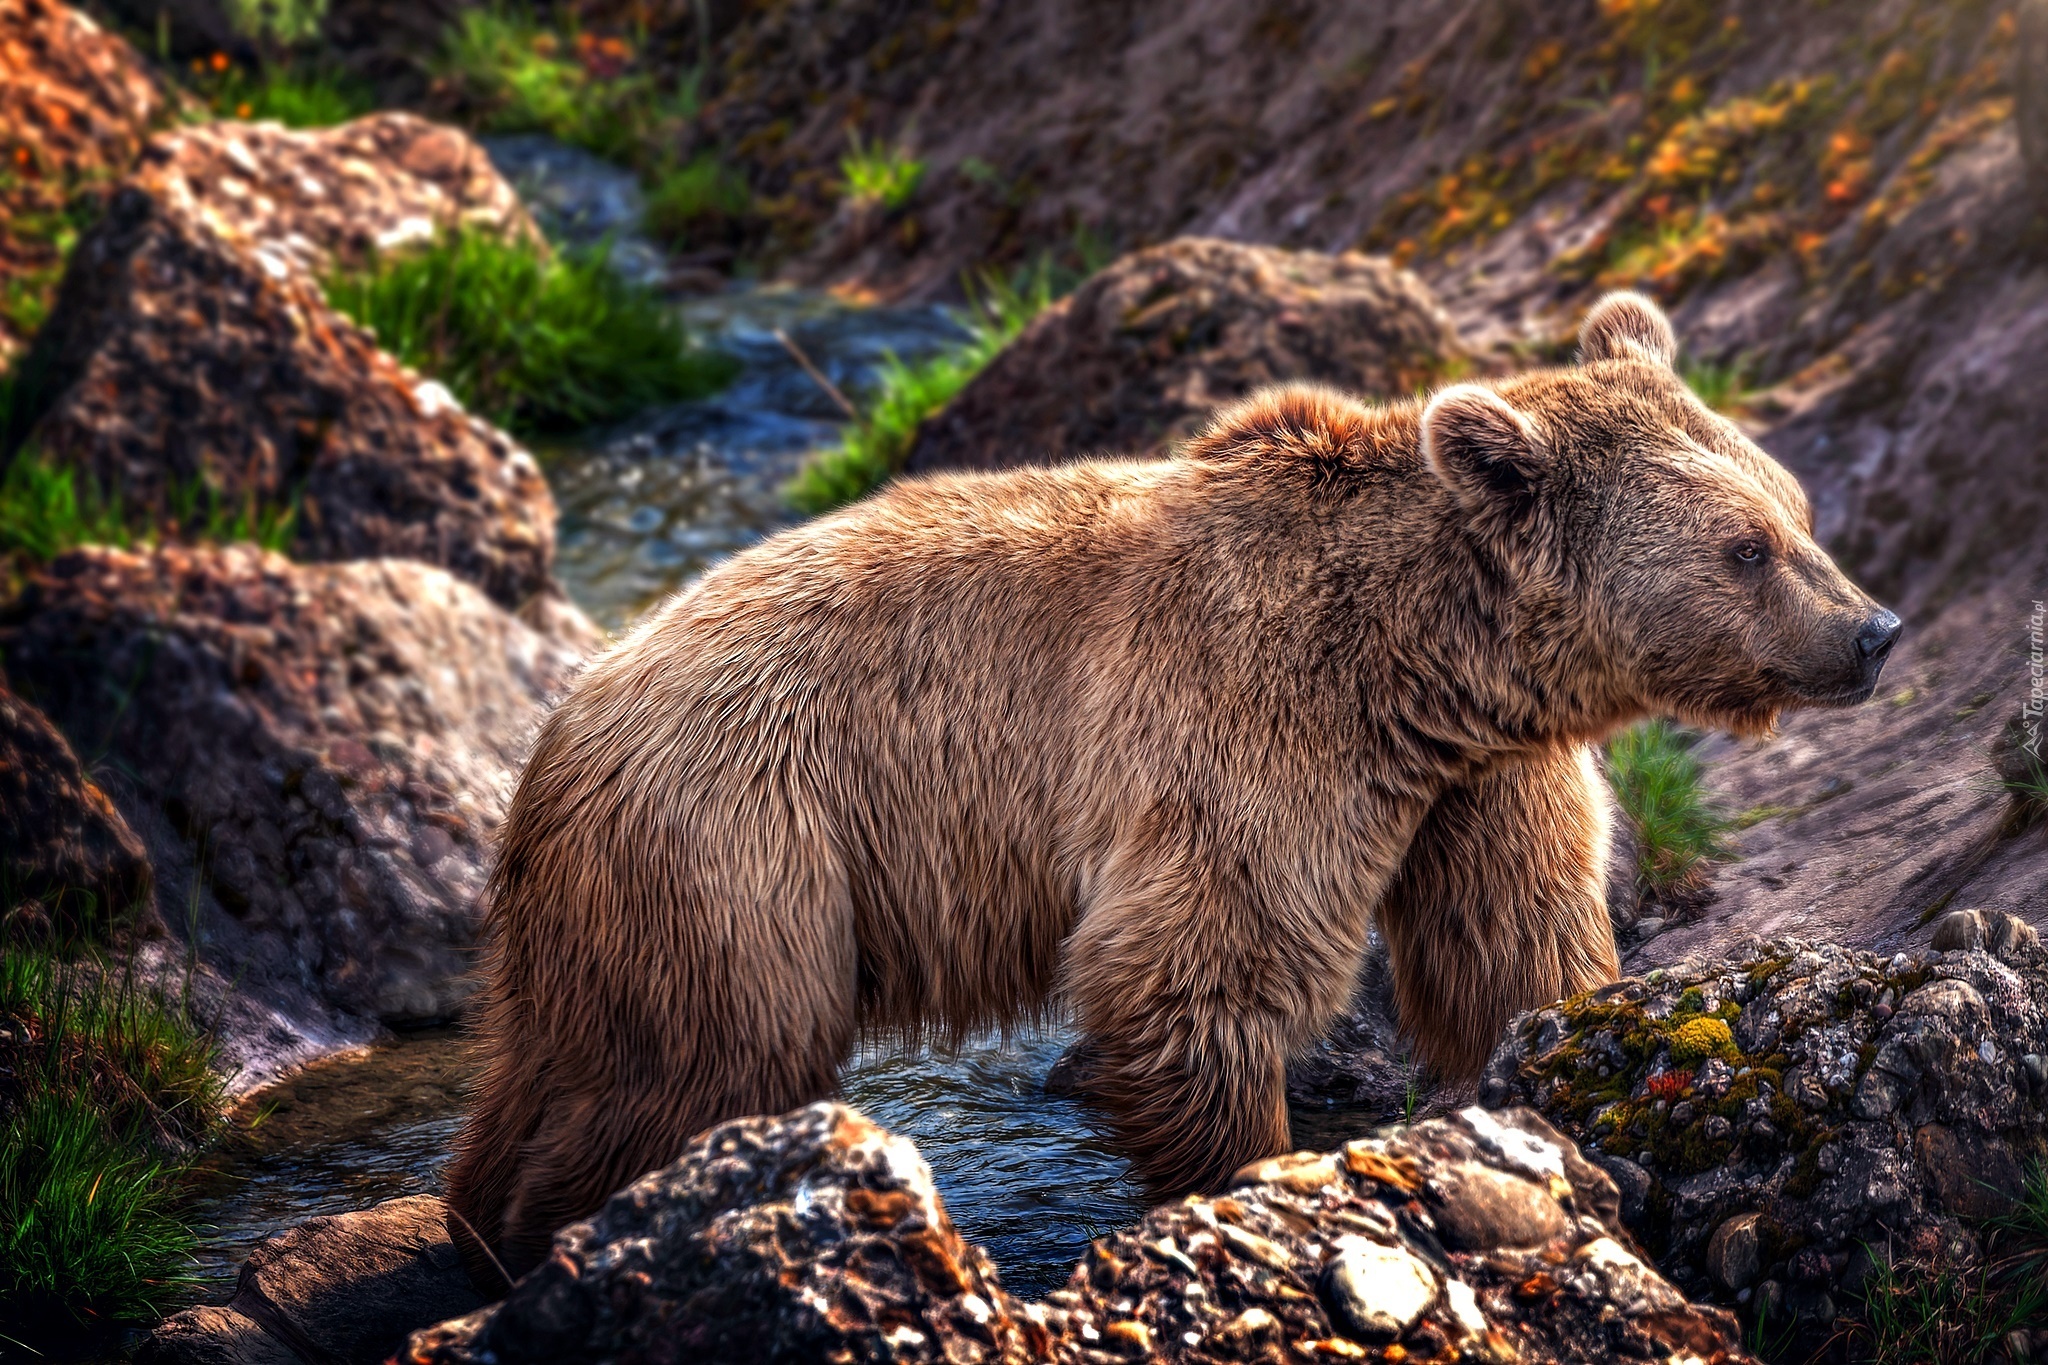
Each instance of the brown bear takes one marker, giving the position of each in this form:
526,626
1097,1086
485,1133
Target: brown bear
1153,741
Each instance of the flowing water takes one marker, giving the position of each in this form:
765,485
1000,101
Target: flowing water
646,507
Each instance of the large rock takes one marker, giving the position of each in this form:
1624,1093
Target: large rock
344,1289
76,103
68,861
1776,1119
315,755
192,364
1474,1237
817,1236
1143,353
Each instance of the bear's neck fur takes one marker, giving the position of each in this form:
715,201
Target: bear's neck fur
1331,507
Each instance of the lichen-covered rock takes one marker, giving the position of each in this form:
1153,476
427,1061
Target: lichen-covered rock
1144,352
75,105
1780,1114
818,1237
68,861
192,364
1472,1237
811,1237
345,1288
314,755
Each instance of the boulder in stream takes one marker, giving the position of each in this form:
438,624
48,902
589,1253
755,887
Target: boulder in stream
315,755
1141,355
339,1290
191,361
817,1236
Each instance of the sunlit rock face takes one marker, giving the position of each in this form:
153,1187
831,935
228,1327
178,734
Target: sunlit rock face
1143,354
314,754
191,361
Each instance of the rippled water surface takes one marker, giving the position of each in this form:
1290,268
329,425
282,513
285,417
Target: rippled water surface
650,504
1021,1172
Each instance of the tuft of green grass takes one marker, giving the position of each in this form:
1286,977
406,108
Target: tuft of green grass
531,340
699,196
1921,1313
109,1092
47,507
1661,788
297,98
520,75
2025,780
871,448
877,174
1720,385
277,23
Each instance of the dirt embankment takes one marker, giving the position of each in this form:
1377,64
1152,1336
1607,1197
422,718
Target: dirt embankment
1832,200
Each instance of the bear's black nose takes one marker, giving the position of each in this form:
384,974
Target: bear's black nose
1876,639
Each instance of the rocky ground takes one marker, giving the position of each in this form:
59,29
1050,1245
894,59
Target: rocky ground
297,758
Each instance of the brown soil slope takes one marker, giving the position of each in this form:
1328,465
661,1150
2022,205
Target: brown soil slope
1830,197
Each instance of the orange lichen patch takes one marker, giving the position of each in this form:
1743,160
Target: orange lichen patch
1399,1172
879,1210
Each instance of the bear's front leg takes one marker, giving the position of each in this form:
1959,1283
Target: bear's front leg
1500,905
1190,1000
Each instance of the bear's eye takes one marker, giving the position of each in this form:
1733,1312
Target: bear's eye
1749,551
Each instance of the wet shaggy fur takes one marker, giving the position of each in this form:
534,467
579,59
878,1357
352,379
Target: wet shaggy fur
1157,741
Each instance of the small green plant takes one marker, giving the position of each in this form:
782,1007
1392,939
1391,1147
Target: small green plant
534,341
1720,385
871,447
1917,1313
294,96
48,507
1698,1039
700,196
111,1091
1661,788
2025,779
519,75
277,23
879,175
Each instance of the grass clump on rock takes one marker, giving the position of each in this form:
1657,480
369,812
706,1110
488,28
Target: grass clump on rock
530,340
47,508
1963,1314
872,446
107,1095
1661,788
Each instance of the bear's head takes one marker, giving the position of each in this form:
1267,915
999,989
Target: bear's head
1664,551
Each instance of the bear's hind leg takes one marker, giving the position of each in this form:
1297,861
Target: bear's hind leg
1500,905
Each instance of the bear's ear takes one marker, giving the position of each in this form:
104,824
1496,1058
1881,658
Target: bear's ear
1627,326
1487,453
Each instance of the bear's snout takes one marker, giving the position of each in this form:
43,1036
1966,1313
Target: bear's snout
1874,642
